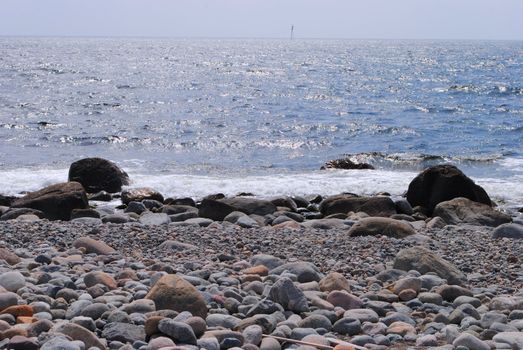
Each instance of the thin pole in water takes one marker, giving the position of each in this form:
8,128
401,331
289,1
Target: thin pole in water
292,32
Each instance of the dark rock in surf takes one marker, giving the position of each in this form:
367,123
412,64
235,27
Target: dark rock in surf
442,183
98,174
347,164
374,206
56,201
139,194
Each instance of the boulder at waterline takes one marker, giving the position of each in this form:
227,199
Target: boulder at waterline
464,211
250,206
214,209
98,174
139,194
423,260
55,201
285,201
174,293
381,226
441,183
344,203
345,163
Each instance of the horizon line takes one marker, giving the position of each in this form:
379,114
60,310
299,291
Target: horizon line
241,38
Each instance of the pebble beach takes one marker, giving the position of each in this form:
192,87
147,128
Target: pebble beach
282,273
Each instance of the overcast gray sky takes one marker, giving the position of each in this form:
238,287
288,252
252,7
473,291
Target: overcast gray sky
410,19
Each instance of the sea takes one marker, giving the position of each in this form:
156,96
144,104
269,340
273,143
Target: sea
191,117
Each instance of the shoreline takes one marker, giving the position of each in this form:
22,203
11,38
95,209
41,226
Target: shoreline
439,268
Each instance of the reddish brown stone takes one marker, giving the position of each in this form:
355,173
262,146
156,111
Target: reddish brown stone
12,332
174,293
334,281
260,270
93,246
10,257
344,299
98,277
293,225
407,294
19,310
151,325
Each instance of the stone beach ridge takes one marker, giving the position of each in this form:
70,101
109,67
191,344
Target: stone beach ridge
439,269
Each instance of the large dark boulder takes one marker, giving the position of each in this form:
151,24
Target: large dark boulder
98,174
55,201
441,183
374,206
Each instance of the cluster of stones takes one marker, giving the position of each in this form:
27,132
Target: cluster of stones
84,294
92,297
438,196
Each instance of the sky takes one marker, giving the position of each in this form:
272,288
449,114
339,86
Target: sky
363,19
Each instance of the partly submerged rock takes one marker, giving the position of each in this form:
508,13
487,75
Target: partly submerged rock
345,163
441,183
98,174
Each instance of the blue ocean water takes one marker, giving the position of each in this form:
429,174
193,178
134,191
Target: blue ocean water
243,113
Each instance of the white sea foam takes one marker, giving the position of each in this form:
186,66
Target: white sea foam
321,182
514,164
17,181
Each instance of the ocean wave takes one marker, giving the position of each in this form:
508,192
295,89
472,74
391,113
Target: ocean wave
486,90
417,161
